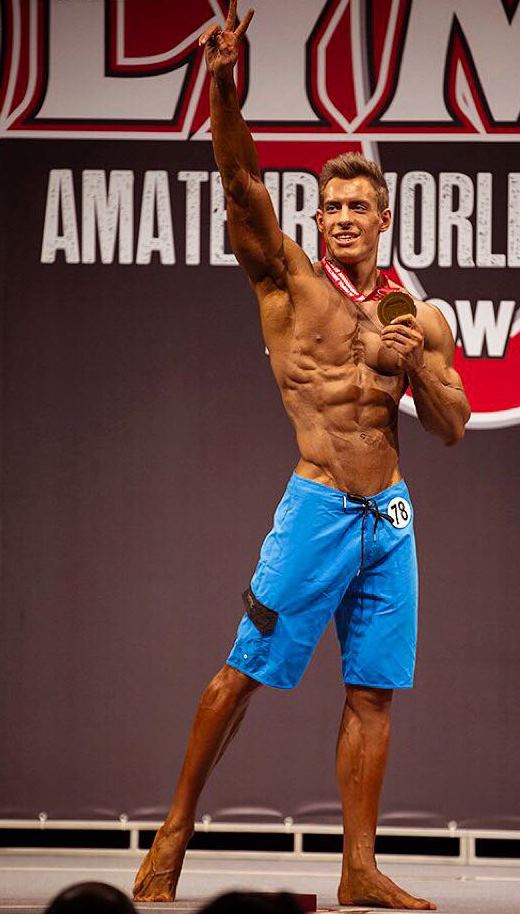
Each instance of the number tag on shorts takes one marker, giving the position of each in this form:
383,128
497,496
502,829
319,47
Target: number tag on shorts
400,511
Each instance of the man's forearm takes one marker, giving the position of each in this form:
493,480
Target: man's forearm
441,408
233,145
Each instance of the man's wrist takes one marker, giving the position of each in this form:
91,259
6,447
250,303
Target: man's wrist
223,79
416,371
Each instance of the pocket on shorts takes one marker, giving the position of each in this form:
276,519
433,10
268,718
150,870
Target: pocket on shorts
263,618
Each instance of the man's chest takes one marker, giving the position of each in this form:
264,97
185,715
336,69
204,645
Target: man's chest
336,331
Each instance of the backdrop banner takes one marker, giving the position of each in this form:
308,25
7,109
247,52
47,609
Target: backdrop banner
144,443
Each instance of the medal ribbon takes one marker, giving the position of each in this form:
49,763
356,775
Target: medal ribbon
340,279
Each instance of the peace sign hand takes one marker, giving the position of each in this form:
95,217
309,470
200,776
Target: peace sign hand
221,45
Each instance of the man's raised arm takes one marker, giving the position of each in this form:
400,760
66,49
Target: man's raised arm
255,235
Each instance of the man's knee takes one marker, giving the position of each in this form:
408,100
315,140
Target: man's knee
238,681
228,685
368,703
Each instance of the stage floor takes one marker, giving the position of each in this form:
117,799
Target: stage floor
29,881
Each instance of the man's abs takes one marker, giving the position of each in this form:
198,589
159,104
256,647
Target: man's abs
340,387
345,419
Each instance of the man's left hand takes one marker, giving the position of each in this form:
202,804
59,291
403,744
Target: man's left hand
405,335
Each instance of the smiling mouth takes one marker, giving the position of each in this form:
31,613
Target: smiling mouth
345,236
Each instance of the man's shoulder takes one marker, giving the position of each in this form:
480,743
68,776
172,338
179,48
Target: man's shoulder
430,314
436,330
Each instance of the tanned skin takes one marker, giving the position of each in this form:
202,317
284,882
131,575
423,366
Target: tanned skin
341,377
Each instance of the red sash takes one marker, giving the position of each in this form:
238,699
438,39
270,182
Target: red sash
340,279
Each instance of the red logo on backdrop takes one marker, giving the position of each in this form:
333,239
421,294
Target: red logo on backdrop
426,89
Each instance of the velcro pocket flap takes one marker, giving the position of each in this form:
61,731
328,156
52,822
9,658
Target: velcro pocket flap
263,618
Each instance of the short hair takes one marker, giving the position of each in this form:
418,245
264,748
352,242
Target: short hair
87,897
253,903
354,165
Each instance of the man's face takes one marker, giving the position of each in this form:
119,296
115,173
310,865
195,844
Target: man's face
350,221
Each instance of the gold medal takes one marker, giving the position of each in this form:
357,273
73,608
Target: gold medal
395,304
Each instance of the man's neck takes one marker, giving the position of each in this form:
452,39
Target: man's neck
363,275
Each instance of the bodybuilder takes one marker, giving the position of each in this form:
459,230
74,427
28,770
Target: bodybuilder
342,542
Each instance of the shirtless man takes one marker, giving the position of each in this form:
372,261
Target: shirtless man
342,542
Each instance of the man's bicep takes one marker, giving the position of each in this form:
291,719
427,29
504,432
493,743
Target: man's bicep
439,350
443,368
255,235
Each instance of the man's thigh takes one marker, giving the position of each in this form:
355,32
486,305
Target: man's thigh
377,619
306,562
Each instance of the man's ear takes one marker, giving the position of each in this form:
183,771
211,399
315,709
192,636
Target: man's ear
385,220
319,220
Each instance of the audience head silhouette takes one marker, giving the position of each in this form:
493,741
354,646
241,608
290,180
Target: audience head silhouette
91,898
252,903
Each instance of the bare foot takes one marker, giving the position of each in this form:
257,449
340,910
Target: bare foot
159,872
370,887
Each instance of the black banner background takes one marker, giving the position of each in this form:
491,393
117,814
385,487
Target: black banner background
144,451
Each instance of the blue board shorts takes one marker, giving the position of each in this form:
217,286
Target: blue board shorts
333,554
